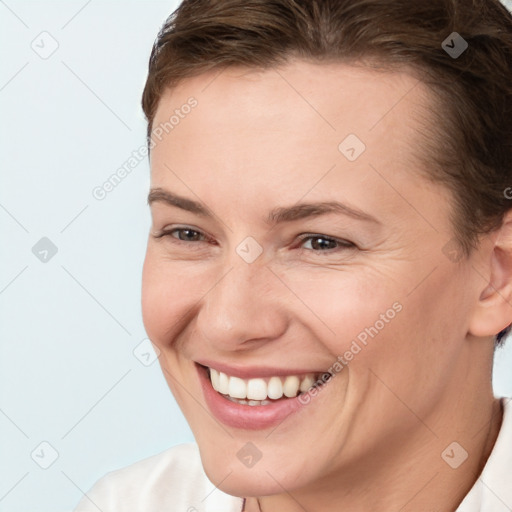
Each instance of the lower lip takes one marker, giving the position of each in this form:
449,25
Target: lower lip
247,417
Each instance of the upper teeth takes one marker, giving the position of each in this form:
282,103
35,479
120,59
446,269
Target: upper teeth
260,389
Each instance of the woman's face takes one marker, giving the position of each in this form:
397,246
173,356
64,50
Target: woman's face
270,287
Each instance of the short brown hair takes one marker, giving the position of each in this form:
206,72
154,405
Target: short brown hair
468,145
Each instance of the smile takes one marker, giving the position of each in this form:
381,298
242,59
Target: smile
254,398
259,391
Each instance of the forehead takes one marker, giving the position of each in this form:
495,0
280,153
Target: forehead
297,102
283,128
335,92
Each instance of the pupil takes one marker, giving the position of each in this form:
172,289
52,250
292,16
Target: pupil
189,234
322,243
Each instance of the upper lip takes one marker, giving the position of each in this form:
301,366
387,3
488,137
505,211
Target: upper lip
249,372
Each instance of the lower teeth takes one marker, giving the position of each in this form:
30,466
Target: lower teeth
247,402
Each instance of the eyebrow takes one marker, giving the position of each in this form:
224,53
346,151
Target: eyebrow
277,215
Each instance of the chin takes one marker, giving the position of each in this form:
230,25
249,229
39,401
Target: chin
245,483
265,478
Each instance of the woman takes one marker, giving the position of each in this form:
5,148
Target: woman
329,267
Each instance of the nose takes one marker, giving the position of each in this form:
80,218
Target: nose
245,307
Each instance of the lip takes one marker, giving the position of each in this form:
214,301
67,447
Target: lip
253,372
247,417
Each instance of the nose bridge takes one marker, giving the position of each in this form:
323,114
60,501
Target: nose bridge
243,305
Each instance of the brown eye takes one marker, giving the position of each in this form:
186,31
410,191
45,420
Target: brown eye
186,235
322,243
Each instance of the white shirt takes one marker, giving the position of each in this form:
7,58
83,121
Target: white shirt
174,481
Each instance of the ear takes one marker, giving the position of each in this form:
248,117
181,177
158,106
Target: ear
493,312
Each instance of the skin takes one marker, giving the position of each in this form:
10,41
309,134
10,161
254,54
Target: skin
372,439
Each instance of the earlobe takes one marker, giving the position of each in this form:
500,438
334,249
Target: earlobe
493,312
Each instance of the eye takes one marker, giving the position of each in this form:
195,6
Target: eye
323,243
184,234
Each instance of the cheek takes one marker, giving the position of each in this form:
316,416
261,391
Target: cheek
347,306
169,294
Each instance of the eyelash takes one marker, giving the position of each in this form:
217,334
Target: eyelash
342,244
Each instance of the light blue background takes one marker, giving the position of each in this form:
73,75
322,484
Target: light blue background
68,327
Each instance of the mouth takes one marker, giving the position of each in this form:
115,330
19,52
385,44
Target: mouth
255,402
259,391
